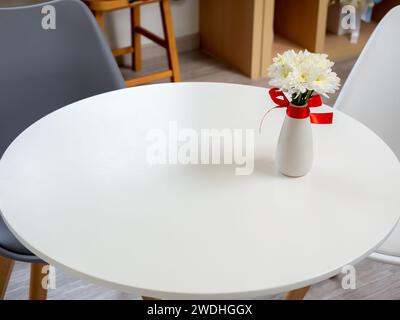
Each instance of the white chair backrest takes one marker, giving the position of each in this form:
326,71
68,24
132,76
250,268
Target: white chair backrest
371,94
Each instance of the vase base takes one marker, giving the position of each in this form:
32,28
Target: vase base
293,175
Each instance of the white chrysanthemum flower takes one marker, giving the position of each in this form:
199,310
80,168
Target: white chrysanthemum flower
299,73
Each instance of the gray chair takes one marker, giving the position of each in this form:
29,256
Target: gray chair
40,72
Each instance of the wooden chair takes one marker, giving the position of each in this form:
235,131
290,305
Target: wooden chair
99,7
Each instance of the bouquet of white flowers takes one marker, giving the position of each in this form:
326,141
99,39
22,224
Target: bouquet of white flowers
302,74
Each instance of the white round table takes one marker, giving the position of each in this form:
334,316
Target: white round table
77,190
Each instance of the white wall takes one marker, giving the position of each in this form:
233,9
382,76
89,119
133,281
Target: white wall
185,14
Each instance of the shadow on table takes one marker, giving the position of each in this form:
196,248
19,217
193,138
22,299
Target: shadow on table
265,166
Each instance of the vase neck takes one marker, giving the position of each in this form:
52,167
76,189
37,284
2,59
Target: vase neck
295,106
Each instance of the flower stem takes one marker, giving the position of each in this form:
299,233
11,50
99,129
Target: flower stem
302,98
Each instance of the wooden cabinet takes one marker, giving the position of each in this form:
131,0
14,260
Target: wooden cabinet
239,32
302,22
248,33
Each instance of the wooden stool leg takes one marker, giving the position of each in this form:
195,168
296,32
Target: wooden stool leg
149,298
297,294
172,51
99,15
6,267
38,283
137,50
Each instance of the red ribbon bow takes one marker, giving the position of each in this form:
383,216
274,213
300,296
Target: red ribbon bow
299,112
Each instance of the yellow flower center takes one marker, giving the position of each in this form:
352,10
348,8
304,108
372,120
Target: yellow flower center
285,74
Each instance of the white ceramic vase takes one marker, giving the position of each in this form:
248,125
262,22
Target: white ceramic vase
294,155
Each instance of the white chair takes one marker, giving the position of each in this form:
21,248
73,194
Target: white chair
371,94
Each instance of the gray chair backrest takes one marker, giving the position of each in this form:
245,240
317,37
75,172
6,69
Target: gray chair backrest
44,70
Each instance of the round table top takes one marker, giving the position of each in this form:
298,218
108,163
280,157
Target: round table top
77,189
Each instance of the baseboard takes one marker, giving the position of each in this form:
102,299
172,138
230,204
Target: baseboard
184,44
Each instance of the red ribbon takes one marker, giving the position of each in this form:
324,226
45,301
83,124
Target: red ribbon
301,112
